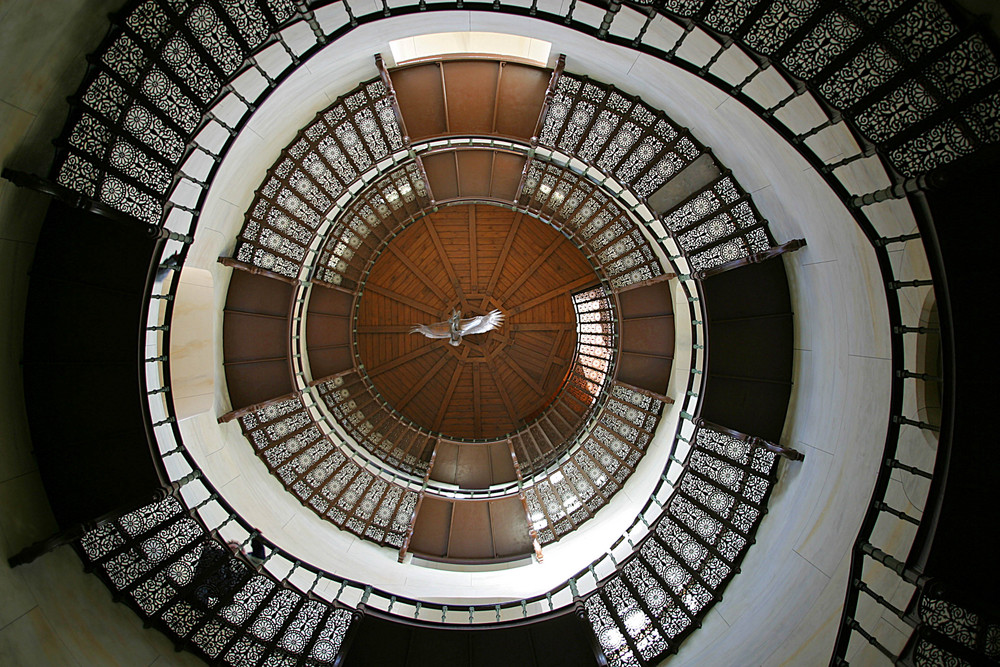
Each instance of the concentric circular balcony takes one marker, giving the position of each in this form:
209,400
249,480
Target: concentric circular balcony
685,253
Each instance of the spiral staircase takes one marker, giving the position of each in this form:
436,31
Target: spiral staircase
682,251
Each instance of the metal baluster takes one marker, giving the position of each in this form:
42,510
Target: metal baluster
886,240
882,507
893,463
869,150
919,424
854,625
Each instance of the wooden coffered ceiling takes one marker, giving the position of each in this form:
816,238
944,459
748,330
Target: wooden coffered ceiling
470,97
474,258
438,233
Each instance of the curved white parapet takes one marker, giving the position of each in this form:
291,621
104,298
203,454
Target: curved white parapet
841,356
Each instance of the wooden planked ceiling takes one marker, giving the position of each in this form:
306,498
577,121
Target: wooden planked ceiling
255,339
470,97
475,258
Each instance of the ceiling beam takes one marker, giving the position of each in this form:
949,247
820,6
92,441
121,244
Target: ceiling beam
541,326
399,361
477,400
528,380
449,269
580,282
385,329
552,355
419,385
446,403
473,249
418,272
502,259
508,404
530,271
405,300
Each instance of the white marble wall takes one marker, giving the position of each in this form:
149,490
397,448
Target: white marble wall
192,353
782,609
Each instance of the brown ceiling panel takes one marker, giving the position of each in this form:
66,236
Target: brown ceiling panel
475,172
257,382
522,93
510,527
421,100
471,532
507,169
330,301
258,294
471,90
255,339
445,462
430,532
325,330
649,335
246,337
501,463
652,299
330,360
645,372
440,169
473,469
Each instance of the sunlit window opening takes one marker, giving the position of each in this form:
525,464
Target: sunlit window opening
492,44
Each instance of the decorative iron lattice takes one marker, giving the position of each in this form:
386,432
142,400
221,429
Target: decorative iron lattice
160,69
596,345
618,133
182,579
658,596
375,427
314,469
912,77
643,150
950,633
344,141
718,224
593,219
572,494
370,219
589,377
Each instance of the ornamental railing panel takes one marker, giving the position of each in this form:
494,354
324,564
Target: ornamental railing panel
718,224
950,631
572,494
593,218
313,467
617,133
913,77
207,596
149,91
358,233
344,141
643,150
659,595
375,426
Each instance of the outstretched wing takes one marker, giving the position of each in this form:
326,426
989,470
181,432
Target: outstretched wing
481,324
436,330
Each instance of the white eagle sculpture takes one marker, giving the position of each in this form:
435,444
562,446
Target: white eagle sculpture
456,327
